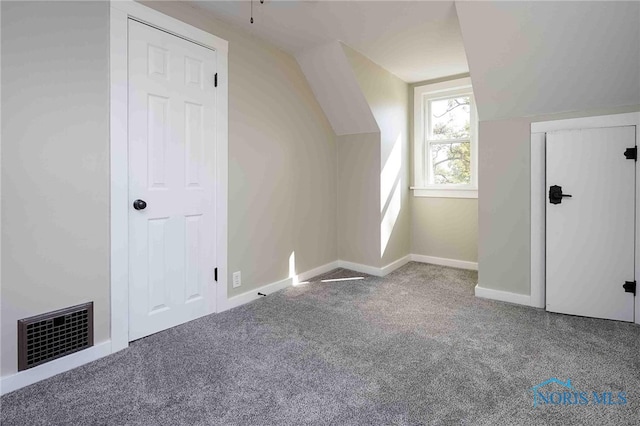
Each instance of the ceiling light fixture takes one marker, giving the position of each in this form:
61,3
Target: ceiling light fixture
261,2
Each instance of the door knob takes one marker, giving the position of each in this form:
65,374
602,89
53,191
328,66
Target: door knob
139,204
556,195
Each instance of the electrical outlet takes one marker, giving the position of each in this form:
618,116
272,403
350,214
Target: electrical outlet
237,279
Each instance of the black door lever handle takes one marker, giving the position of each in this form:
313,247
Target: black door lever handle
556,195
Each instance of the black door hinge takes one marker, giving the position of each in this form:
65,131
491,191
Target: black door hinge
629,287
215,80
215,274
631,153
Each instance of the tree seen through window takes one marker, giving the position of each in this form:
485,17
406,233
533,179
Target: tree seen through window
449,141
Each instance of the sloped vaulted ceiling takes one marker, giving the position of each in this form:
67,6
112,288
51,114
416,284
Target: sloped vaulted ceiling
531,58
335,86
415,40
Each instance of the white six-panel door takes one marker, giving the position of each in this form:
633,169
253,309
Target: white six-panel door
590,236
172,103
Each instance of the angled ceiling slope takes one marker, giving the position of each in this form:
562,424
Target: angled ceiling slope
335,86
532,58
415,40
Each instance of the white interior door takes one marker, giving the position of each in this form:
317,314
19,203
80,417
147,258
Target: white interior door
172,169
590,236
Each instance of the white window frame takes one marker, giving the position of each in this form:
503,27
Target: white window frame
422,95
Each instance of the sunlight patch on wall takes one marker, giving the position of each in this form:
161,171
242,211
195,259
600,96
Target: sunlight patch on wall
389,219
292,268
342,279
390,172
390,193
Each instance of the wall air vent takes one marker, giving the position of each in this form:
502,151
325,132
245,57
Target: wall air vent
45,337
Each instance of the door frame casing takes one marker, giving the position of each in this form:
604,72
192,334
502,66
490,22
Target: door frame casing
538,194
120,12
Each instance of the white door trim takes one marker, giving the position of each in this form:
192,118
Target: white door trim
538,193
120,12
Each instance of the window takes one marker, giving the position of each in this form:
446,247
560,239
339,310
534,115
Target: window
445,148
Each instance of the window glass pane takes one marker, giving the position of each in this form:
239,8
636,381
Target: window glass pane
451,163
449,118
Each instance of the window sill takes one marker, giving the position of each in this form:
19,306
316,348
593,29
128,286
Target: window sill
444,193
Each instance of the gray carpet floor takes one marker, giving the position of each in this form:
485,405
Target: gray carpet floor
415,347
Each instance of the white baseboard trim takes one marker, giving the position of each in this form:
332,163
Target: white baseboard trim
373,270
395,265
503,296
52,368
251,295
359,267
305,276
454,263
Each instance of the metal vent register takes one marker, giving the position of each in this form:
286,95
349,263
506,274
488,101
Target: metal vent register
45,337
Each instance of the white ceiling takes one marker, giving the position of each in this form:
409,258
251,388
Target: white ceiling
415,40
549,57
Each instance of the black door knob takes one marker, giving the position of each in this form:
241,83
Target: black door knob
139,205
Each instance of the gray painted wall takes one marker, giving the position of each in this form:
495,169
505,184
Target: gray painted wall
445,227
358,230
55,163
55,143
504,246
537,61
442,227
387,97
504,207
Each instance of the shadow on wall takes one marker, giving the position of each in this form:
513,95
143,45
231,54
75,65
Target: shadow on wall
390,202
390,193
